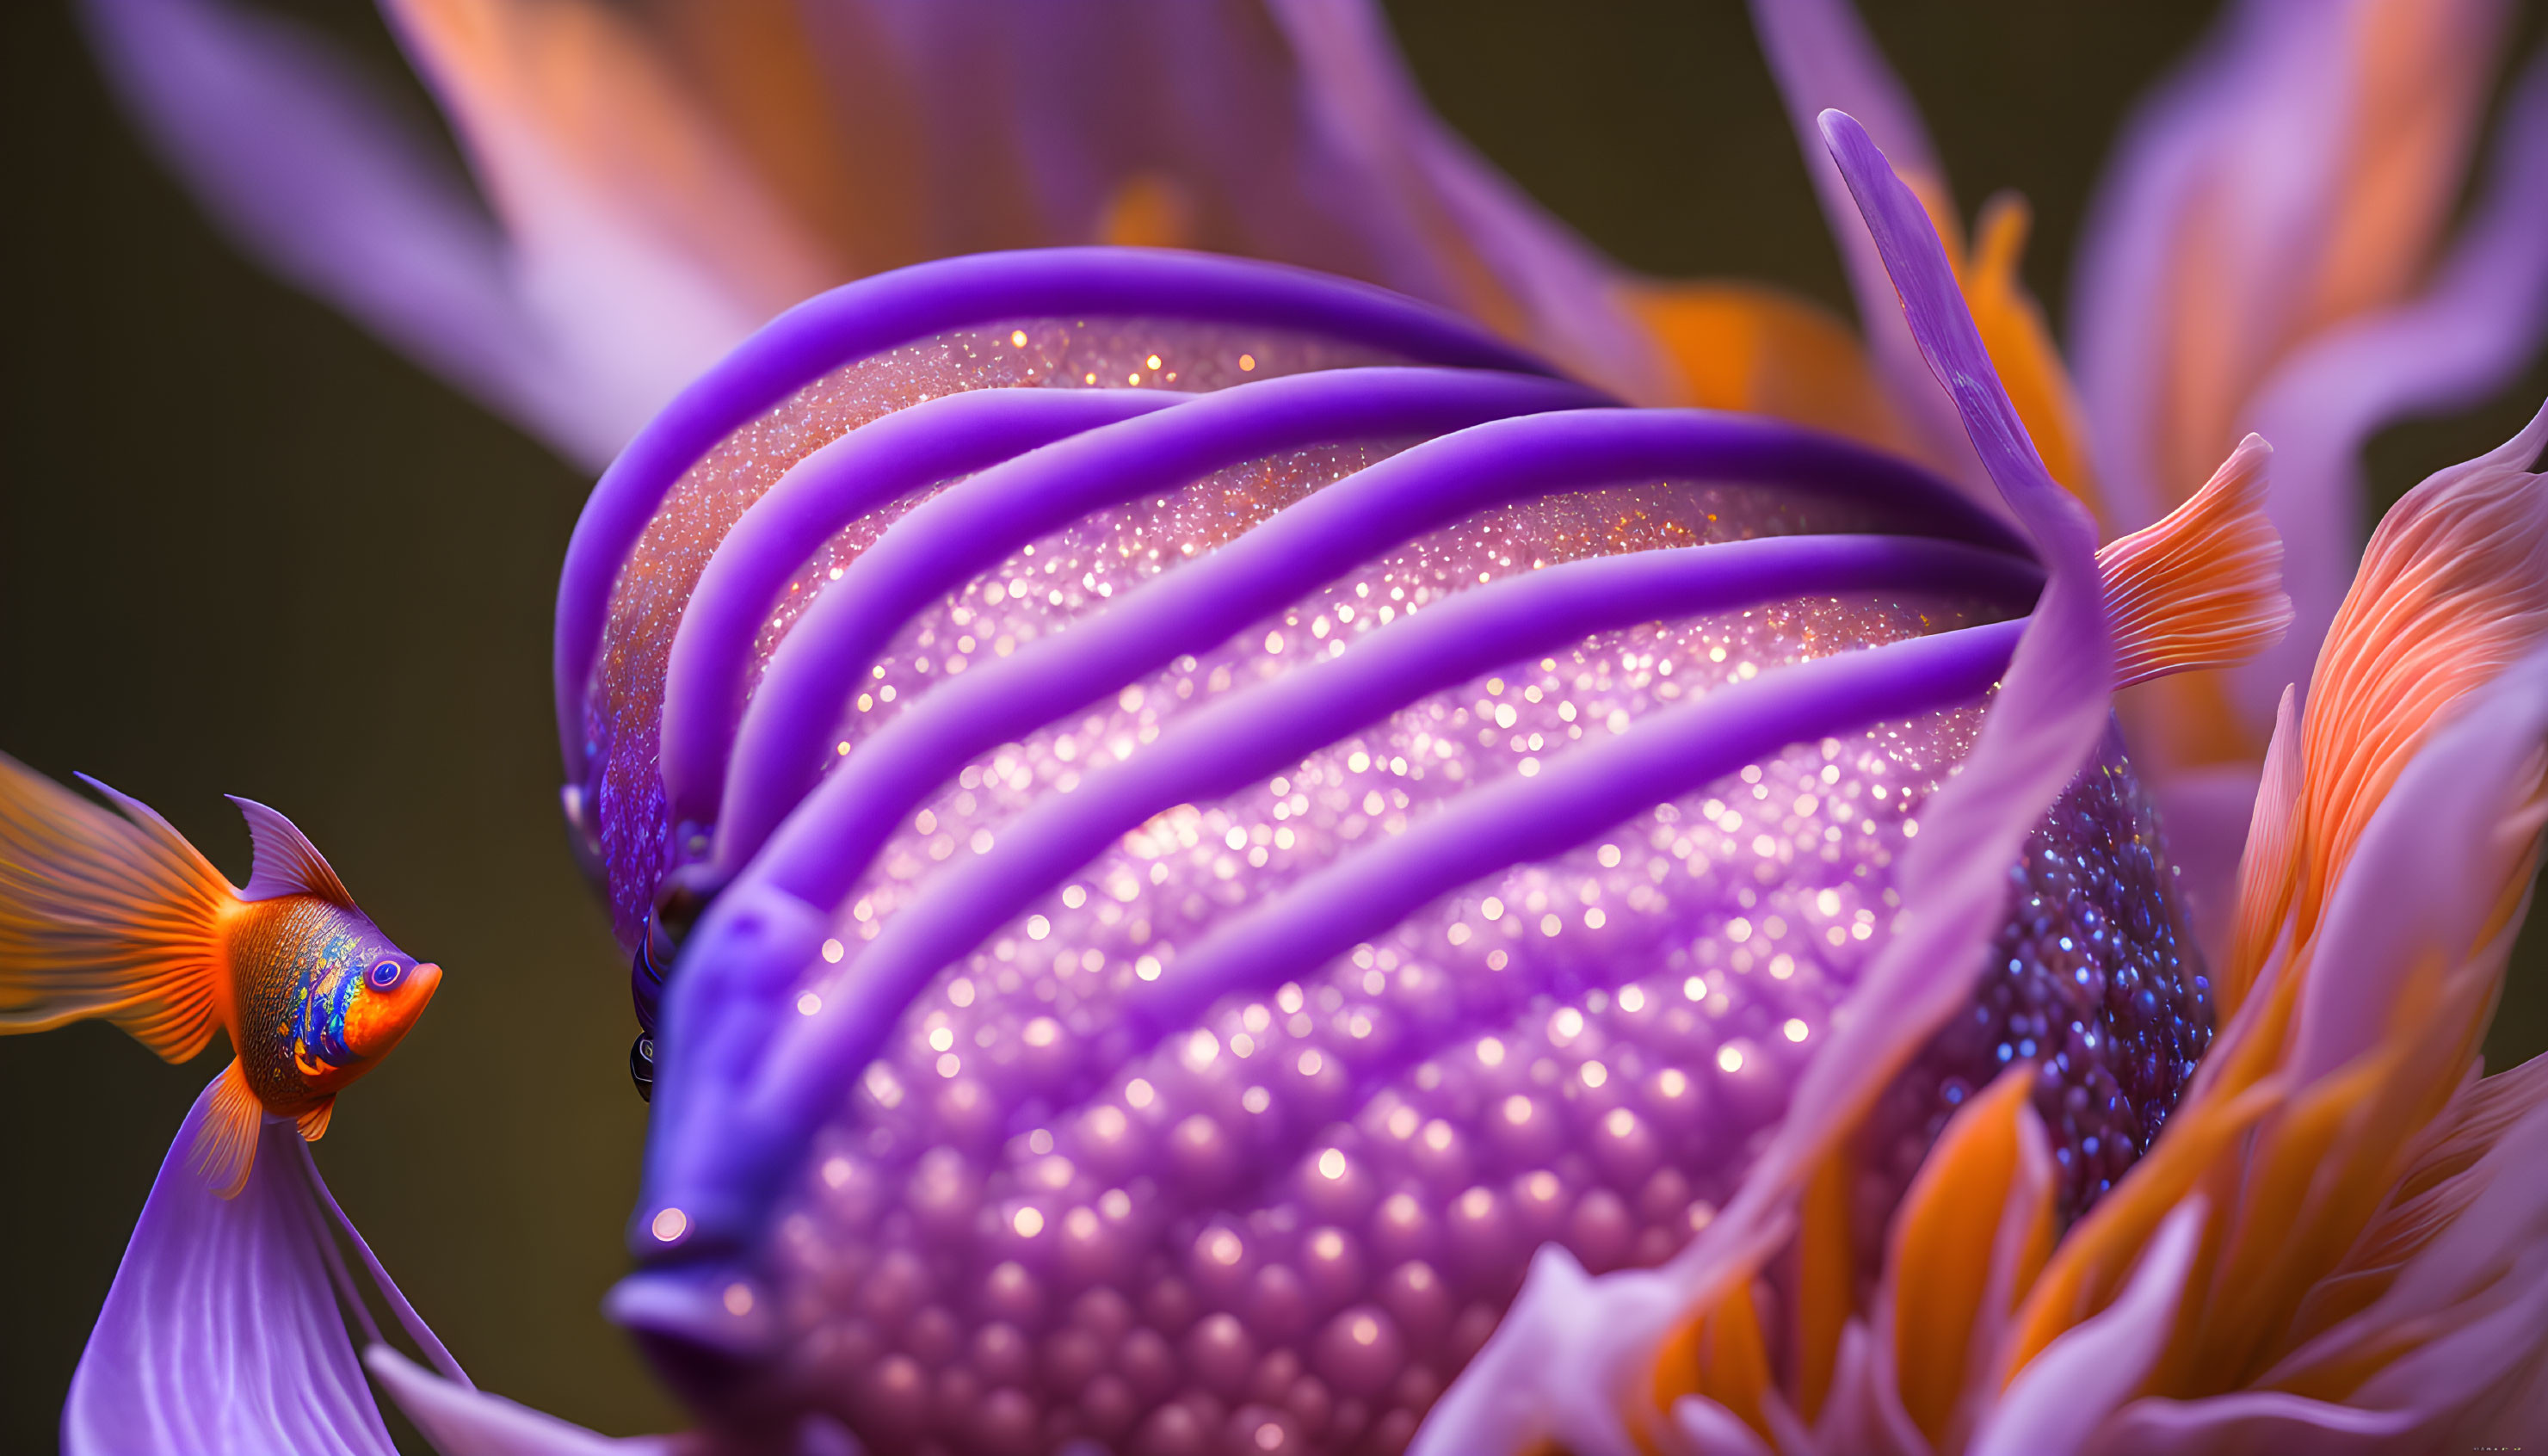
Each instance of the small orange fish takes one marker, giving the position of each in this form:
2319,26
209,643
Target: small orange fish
122,918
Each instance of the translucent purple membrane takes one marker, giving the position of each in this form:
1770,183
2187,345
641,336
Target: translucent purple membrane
1152,911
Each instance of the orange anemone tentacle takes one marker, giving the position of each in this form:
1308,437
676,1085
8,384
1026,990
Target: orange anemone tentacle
2202,588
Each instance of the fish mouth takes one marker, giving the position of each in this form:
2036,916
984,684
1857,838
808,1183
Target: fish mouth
426,978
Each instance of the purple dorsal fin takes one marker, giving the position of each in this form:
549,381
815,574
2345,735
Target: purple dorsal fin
286,863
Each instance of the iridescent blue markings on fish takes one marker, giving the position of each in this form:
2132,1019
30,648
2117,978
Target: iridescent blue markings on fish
327,984
1204,898
121,918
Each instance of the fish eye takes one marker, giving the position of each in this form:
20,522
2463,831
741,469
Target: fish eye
387,975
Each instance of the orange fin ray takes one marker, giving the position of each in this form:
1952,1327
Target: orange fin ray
313,1122
2203,586
226,1147
105,916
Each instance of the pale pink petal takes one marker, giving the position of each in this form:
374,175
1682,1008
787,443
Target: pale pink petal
1560,1365
641,246
2058,1401
2253,1423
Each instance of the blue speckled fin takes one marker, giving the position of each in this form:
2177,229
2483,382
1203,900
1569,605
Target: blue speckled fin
286,863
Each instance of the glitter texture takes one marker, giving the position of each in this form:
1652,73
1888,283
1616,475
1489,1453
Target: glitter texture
625,698
1286,1225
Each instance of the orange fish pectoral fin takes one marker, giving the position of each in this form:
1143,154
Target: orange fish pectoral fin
104,916
225,1145
313,1122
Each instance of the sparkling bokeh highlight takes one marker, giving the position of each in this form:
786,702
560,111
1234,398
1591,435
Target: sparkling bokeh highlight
1287,1225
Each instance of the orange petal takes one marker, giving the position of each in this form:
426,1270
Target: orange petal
1150,209
2305,1110
1947,1236
1721,1356
1763,351
2420,73
1826,1280
2452,589
2265,868
840,153
2409,88
2443,1179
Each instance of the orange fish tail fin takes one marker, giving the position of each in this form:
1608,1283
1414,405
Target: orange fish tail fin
225,1145
105,916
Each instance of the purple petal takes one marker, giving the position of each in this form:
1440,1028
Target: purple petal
1290,131
1554,1367
2487,1274
1716,1430
1424,196
2479,321
2206,812
2063,1394
1824,59
282,142
2256,1424
222,1332
2228,180
461,1422
2051,706
2478,1299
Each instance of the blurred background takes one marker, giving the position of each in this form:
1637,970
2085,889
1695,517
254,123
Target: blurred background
245,548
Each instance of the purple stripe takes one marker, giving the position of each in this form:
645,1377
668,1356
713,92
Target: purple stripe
743,962
1249,735
826,839
1578,795
875,313
786,730
870,466
744,1104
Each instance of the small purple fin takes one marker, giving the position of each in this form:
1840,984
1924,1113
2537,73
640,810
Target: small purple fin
286,863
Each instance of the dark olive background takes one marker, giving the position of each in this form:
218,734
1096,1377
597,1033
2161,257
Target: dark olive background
243,548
